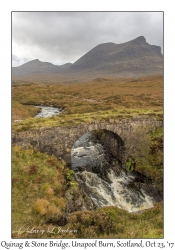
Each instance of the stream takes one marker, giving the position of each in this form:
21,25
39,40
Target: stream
103,179
101,175
48,111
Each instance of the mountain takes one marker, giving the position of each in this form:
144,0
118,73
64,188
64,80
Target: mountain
130,59
66,66
36,67
134,57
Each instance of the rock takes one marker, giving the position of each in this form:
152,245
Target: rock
78,201
104,180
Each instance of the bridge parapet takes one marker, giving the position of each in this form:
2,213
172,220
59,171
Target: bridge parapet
58,141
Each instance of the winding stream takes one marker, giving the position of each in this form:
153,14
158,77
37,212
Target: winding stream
47,111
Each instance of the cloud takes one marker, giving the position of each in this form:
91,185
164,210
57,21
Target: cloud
16,61
61,37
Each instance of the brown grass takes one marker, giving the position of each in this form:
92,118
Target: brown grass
93,96
40,181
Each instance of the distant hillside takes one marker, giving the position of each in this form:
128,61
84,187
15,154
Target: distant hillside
65,66
136,56
131,59
36,66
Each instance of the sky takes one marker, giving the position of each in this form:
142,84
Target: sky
62,37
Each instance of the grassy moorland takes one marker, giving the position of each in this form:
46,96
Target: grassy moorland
40,183
83,102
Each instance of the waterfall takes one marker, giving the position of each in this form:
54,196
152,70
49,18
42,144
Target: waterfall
102,178
117,193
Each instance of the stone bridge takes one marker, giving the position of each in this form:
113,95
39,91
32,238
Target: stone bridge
58,141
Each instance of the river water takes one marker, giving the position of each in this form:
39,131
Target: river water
105,186
48,111
100,175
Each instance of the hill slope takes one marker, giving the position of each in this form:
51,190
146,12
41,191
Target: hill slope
136,56
131,59
36,66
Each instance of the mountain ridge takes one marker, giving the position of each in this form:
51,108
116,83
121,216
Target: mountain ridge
36,65
132,58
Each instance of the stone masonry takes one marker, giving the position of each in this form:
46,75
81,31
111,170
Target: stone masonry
58,141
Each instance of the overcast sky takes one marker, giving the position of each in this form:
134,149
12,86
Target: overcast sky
61,37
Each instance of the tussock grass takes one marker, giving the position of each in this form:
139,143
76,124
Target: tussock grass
85,102
80,98
39,181
112,222
21,112
73,119
39,187
148,154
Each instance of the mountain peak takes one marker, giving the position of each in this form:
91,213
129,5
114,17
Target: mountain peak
140,39
133,58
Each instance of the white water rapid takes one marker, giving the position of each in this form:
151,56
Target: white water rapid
99,180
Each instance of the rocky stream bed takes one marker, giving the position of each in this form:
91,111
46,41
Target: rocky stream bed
104,180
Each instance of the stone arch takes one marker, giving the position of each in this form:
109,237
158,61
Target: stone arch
59,140
77,132
114,143
109,139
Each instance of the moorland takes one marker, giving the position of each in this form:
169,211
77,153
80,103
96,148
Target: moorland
41,183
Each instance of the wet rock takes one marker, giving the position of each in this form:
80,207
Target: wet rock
104,180
78,200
